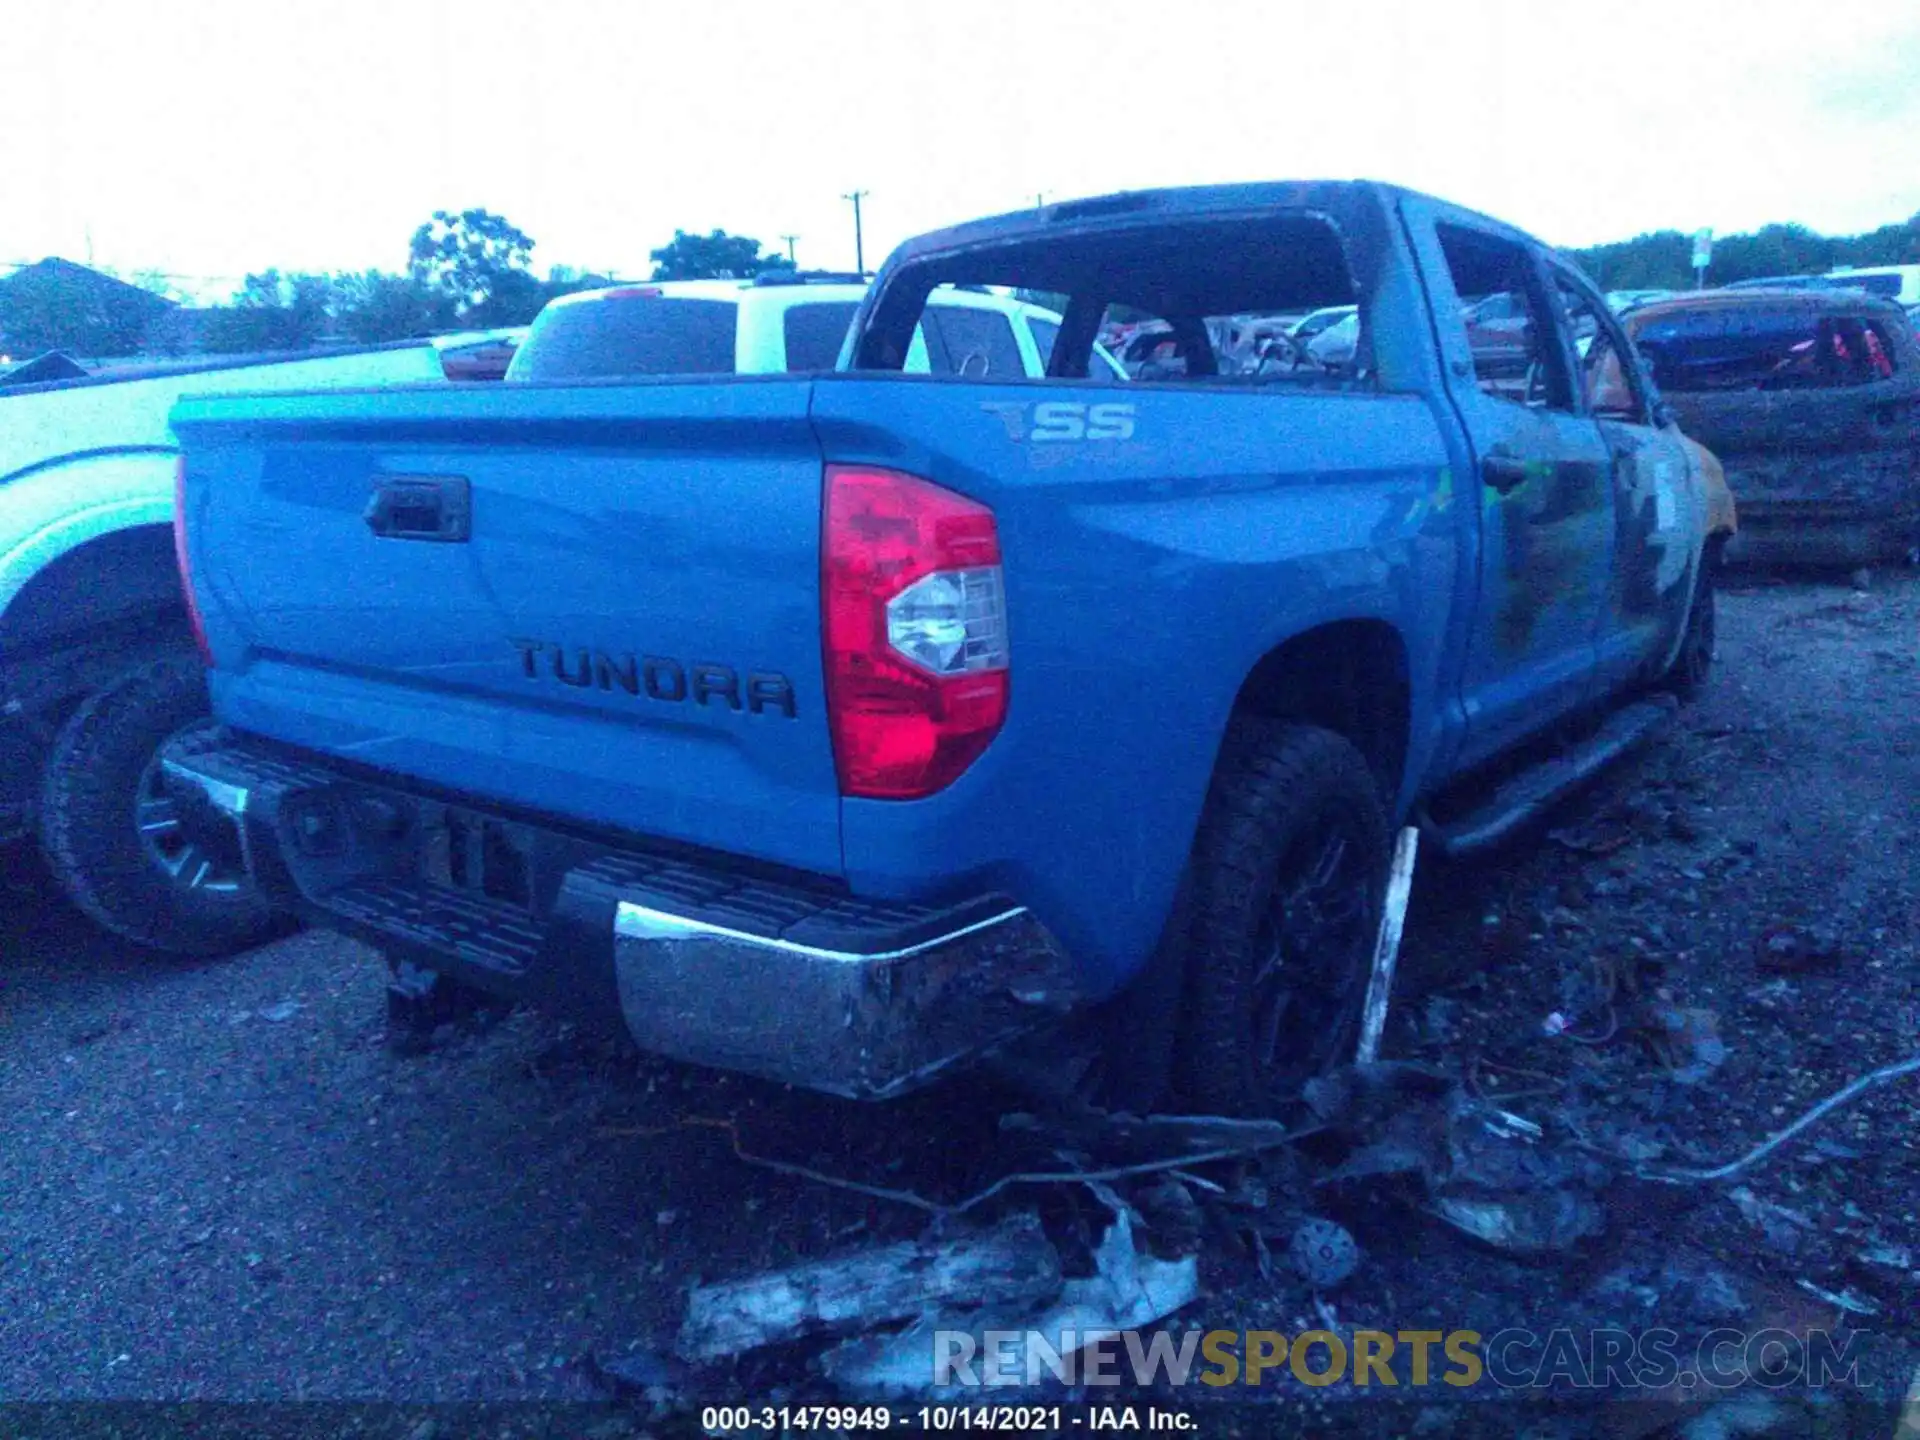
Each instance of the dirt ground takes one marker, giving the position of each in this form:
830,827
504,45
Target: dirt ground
217,1183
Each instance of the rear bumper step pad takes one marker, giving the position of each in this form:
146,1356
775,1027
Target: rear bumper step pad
792,980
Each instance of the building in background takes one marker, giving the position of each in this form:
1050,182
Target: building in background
58,305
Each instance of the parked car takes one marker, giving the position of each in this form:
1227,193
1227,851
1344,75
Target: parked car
1811,399
840,728
97,666
1500,329
778,323
1777,282
1900,283
1321,320
1621,301
1336,346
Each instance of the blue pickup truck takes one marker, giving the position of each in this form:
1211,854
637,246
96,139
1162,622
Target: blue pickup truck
841,727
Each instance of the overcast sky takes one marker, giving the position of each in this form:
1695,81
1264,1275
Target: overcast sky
209,138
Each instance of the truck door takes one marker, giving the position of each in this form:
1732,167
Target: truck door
1541,474
1659,501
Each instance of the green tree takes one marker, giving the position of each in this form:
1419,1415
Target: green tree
1889,245
1771,250
713,256
373,307
1664,259
469,257
1661,260
271,312
515,298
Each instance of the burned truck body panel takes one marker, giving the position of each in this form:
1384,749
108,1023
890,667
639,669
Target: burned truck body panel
1811,401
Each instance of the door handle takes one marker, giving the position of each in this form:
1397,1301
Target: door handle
1504,473
435,508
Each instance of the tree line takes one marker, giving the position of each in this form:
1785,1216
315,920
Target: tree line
466,270
472,269
1663,259
469,270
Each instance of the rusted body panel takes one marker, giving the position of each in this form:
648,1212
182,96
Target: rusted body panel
1819,436
1723,518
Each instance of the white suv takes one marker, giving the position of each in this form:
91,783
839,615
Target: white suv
781,323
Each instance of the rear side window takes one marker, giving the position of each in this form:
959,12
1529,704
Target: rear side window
1783,348
1510,338
814,334
1202,300
976,344
640,335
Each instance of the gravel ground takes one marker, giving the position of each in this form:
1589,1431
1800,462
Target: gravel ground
217,1183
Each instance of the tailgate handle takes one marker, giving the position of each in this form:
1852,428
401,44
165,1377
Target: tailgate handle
421,507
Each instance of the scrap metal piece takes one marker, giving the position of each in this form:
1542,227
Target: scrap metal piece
1386,950
1011,1263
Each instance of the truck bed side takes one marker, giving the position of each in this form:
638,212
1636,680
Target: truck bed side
1147,578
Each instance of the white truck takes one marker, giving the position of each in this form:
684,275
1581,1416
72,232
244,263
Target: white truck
783,322
97,663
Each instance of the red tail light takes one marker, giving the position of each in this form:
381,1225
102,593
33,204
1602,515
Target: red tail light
180,558
915,626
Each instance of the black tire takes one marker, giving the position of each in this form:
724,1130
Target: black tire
1276,989
1693,666
91,822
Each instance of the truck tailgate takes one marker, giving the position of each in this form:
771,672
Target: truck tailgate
598,602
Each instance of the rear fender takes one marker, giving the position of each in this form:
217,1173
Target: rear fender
46,513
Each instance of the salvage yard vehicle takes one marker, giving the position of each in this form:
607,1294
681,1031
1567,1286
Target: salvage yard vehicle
97,666
1319,321
779,322
1811,400
841,728
1621,301
1900,283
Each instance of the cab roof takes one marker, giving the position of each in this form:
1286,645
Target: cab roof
1177,203
780,297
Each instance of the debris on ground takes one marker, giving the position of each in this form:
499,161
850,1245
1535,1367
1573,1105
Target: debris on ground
1684,1039
1484,1171
1386,949
1781,1226
1324,1252
1128,1291
1007,1264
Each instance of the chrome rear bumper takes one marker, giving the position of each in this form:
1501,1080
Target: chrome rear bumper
866,1024
791,980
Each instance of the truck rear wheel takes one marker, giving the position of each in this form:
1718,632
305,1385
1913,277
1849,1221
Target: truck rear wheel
115,838
1290,870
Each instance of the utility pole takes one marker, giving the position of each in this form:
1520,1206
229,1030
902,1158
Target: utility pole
790,260
1040,200
859,249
